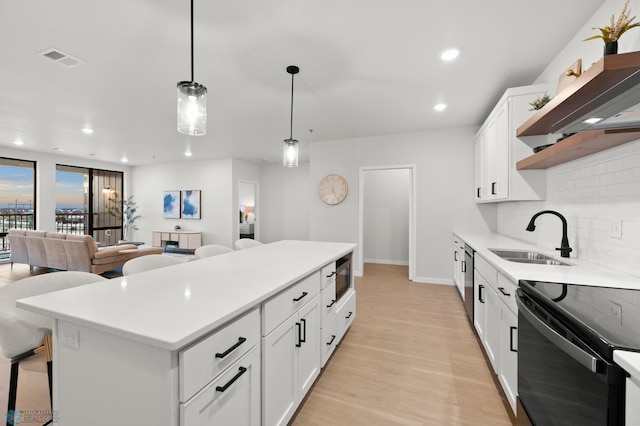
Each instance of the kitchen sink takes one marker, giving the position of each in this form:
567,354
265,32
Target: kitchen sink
526,256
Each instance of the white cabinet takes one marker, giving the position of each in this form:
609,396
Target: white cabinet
496,323
498,149
185,240
345,313
291,350
233,398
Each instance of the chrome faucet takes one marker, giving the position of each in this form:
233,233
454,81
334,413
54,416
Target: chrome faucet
564,244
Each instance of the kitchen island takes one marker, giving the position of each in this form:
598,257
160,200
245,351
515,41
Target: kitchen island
176,345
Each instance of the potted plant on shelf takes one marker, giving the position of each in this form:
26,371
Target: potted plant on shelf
611,33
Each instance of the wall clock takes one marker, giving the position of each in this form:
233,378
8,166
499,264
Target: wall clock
333,189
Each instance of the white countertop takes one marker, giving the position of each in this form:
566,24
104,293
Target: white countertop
171,307
630,362
580,272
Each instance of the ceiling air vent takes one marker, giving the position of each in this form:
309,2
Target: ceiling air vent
61,58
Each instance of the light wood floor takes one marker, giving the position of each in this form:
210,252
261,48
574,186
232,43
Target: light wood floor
410,358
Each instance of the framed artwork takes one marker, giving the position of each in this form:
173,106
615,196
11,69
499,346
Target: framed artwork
191,204
171,205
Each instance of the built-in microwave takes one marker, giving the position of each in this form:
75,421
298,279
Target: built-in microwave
343,275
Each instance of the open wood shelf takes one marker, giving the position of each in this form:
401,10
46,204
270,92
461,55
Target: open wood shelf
577,146
575,101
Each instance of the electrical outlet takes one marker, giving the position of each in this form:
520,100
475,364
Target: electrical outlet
615,310
107,232
70,337
615,228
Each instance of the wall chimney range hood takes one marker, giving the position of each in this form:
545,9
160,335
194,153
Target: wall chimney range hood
604,97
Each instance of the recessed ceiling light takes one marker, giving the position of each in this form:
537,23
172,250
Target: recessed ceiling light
592,120
187,154
18,142
87,130
124,159
450,54
440,107
59,149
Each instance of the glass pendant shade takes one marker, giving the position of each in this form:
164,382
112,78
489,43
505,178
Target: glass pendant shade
192,108
290,158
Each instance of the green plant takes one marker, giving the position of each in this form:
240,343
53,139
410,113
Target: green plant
539,102
616,28
125,211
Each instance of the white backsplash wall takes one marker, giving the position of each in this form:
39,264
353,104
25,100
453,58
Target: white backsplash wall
595,194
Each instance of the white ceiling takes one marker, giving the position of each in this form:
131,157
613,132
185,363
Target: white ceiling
367,67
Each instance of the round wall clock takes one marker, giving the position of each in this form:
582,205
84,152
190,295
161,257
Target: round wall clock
333,189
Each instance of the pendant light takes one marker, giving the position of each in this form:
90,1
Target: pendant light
192,102
290,158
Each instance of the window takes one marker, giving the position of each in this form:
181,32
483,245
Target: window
17,198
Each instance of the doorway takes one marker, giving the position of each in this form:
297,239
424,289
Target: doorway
248,210
387,216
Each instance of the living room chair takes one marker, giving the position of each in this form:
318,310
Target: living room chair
211,250
245,243
149,262
24,334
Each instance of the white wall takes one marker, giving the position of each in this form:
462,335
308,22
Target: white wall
46,179
593,192
444,162
286,194
386,216
213,178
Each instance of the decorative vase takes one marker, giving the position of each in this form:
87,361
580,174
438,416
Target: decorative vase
611,48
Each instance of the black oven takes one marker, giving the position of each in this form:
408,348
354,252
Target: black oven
343,275
566,373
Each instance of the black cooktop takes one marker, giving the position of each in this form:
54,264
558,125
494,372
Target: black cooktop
608,318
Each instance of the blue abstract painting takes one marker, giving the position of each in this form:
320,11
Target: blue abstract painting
191,204
171,204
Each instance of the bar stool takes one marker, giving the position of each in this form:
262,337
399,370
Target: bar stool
149,262
24,333
211,250
245,243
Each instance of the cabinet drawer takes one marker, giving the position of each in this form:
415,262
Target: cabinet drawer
485,269
231,399
281,306
328,303
328,274
329,340
201,363
507,292
345,314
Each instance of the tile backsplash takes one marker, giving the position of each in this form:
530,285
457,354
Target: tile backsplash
599,195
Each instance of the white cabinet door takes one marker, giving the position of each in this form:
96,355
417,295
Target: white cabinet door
309,346
492,341
479,304
501,157
345,314
231,399
329,340
479,190
509,354
280,372
489,160
291,363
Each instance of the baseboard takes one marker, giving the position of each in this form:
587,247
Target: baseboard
429,280
387,262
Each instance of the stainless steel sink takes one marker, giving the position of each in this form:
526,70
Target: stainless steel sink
526,256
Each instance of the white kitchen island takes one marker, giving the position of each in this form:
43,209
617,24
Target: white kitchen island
230,339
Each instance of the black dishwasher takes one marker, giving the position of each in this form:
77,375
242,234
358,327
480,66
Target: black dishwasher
566,337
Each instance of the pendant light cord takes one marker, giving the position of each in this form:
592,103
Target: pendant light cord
291,125
192,79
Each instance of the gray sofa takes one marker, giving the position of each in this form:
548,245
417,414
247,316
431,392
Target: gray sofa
70,252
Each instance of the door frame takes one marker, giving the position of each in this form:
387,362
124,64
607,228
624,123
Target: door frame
256,211
412,215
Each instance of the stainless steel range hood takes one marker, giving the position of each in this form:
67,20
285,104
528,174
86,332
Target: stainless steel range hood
606,96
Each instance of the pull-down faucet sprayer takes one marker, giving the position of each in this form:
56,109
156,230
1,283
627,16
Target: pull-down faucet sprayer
564,244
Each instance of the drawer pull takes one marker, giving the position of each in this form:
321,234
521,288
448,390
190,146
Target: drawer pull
304,324
503,292
349,316
333,302
333,337
230,382
241,340
331,274
299,327
304,293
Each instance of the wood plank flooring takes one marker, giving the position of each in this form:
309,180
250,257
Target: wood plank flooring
410,358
